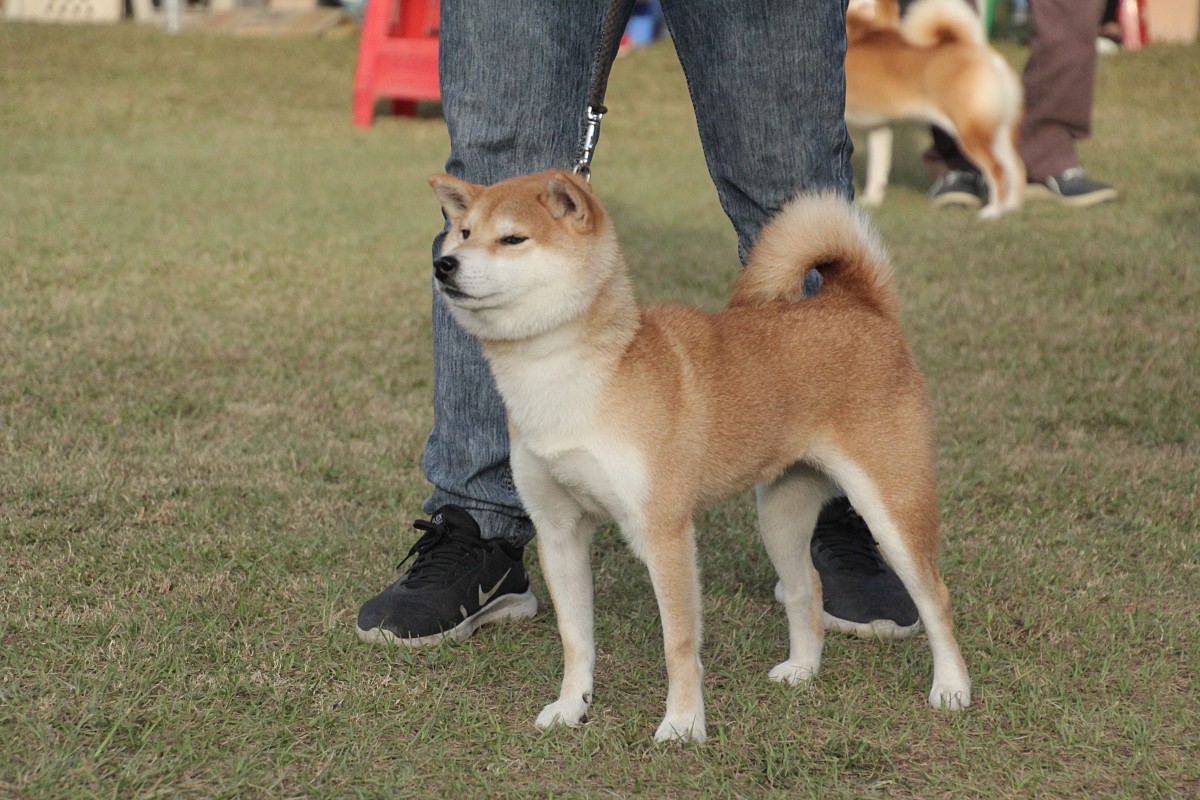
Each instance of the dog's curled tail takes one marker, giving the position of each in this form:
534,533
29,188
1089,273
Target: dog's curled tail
822,232
932,22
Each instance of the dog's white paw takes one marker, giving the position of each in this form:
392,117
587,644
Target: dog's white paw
681,728
564,711
871,199
950,696
793,672
991,211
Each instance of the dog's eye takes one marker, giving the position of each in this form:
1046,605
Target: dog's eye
513,239
466,233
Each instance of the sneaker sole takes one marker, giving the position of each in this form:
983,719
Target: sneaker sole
956,199
509,606
875,629
1039,191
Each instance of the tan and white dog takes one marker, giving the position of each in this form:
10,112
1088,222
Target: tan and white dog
643,414
933,65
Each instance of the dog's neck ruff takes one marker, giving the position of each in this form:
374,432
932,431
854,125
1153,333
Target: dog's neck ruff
553,383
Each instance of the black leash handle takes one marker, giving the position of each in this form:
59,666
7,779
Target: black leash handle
615,21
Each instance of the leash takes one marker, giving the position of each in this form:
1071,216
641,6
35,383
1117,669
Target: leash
615,20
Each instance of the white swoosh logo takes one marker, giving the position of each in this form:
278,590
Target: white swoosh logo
485,596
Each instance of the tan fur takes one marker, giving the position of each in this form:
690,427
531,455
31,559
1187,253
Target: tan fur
643,415
934,65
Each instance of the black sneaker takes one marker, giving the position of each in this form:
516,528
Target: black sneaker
862,594
959,188
1072,187
458,582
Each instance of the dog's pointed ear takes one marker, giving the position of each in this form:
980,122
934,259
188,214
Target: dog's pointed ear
456,196
567,201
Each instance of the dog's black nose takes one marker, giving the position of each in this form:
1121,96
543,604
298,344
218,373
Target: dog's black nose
445,267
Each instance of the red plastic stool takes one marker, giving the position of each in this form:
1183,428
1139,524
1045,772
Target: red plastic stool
397,57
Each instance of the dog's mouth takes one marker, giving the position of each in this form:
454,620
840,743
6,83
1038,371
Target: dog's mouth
456,294
465,300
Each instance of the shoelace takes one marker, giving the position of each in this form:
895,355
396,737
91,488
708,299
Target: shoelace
848,543
440,553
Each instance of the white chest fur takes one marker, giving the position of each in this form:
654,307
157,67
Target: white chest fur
553,390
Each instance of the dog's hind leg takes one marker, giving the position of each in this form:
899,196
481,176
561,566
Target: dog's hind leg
991,149
898,500
670,555
787,512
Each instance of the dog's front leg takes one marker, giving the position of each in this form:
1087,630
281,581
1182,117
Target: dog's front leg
879,165
564,540
670,555
564,550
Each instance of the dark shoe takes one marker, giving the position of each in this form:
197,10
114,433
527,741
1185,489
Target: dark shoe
862,594
1073,188
959,188
458,582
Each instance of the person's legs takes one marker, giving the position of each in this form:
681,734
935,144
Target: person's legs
514,77
1059,82
768,84
514,81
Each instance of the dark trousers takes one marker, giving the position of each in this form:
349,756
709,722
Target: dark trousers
1059,82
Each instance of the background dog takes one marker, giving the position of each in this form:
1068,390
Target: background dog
642,415
933,65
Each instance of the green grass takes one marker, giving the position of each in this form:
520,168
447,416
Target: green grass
215,386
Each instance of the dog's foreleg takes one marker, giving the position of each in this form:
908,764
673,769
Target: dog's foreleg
564,553
564,539
787,513
671,558
879,165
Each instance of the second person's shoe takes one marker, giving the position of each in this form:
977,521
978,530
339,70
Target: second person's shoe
1072,187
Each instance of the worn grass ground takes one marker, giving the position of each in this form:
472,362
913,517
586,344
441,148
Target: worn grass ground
214,387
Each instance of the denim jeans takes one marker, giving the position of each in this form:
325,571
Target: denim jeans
767,83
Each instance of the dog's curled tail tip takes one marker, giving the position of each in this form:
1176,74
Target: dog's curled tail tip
820,231
928,23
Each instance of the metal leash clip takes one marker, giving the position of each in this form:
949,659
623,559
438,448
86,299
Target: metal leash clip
591,135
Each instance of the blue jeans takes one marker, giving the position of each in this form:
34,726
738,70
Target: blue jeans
767,83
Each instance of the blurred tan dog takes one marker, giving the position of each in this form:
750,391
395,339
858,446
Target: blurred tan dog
642,415
933,65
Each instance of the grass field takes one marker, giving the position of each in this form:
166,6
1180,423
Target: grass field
215,385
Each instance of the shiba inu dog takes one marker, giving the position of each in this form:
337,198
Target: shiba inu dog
641,415
933,65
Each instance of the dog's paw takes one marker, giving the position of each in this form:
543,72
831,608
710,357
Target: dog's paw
793,672
681,728
564,711
950,696
991,211
871,199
